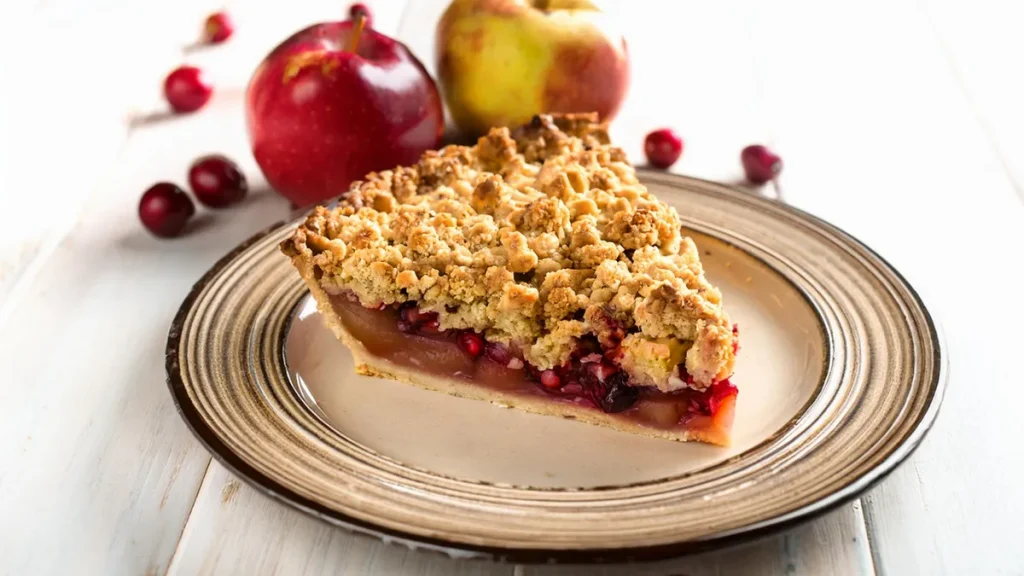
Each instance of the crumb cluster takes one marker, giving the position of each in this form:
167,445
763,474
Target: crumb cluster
534,238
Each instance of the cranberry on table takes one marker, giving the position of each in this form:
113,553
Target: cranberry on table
216,181
187,89
663,147
165,209
760,164
218,28
359,9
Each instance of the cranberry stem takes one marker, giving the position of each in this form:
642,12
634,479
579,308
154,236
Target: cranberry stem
354,43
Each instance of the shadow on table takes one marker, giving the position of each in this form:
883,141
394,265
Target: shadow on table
218,229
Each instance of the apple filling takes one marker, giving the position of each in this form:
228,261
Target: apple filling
592,378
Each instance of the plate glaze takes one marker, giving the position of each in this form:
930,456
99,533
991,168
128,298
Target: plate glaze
840,375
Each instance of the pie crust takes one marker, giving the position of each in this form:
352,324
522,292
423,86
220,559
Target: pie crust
536,240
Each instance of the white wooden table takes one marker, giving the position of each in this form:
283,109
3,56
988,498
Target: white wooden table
901,122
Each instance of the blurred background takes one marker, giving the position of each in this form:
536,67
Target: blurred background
901,121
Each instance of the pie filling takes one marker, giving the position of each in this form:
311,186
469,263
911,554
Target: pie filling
534,270
592,378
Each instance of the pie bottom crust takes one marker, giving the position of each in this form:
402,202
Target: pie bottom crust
368,364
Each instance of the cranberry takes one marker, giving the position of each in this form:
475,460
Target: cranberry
498,353
360,9
218,27
620,395
187,89
760,164
719,392
413,320
217,181
601,371
607,387
418,317
612,394
550,379
663,147
165,209
405,310
573,388
707,401
471,343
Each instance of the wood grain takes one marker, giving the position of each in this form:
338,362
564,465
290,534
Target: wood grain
230,517
976,41
101,251
229,382
74,74
98,472
220,539
95,457
834,545
832,549
898,158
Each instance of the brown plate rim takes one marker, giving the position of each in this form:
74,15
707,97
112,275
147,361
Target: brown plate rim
209,439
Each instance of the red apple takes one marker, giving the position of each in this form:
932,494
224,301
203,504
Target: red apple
500,62
334,102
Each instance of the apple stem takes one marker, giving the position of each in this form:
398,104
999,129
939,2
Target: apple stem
354,42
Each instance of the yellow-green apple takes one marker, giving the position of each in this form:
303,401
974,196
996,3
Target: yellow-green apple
500,62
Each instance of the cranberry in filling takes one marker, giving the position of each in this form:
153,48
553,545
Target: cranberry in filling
471,343
605,385
410,337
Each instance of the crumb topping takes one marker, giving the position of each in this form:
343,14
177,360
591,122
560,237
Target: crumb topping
535,238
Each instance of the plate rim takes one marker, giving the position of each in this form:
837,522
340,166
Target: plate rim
464,550
826,335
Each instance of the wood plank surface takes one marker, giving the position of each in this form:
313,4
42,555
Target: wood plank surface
717,123
236,530
880,139
73,74
898,121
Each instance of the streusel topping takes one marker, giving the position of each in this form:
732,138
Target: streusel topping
534,238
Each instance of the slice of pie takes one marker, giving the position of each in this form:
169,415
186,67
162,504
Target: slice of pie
531,270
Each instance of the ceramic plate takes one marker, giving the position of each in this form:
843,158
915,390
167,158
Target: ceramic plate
840,375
